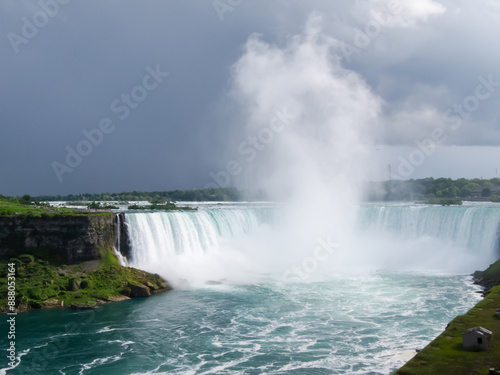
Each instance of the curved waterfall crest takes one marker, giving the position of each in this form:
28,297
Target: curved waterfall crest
223,239
177,232
475,227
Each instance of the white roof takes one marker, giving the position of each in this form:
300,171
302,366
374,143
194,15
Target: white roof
479,330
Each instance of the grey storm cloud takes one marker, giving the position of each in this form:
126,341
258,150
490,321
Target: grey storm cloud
64,63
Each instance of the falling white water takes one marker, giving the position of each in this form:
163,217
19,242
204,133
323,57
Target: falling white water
121,259
196,247
474,226
116,246
457,239
225,244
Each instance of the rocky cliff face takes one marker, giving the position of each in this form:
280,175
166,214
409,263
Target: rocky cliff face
122,243
66,239
488,278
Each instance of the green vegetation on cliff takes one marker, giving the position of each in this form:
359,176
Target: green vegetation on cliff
38,240
490,277
40,284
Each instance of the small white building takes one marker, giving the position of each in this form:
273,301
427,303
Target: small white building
477,337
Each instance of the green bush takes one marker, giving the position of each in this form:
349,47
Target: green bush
37,294
26,258
446,201
85,284
72,285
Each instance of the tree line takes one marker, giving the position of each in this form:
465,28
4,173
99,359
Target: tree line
155,197
429,188
392,190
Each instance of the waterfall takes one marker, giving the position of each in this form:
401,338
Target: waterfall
154,233
118,245
454,238
473,227
182,242
214,241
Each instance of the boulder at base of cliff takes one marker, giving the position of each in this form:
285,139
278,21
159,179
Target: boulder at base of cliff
138,291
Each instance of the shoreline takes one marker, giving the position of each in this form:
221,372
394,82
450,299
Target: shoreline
86,285
445,354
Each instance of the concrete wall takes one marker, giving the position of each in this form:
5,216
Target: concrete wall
470,341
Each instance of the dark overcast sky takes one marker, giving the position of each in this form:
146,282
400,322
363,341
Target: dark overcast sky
429,56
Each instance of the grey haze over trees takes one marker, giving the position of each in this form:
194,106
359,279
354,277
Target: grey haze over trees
431,64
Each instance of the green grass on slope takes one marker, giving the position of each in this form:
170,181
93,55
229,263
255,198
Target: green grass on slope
445,355
492,274
10,207
40,284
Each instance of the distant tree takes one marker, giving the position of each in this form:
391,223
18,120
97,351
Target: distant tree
477,181
486,192
26,199
94,206
107,197
495,181
461,182
429,185
449,192
467,189
157,200
443,185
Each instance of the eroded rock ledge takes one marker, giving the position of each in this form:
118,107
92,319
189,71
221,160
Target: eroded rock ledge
85,285
67,261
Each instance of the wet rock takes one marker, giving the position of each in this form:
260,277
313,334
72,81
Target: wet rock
138,291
